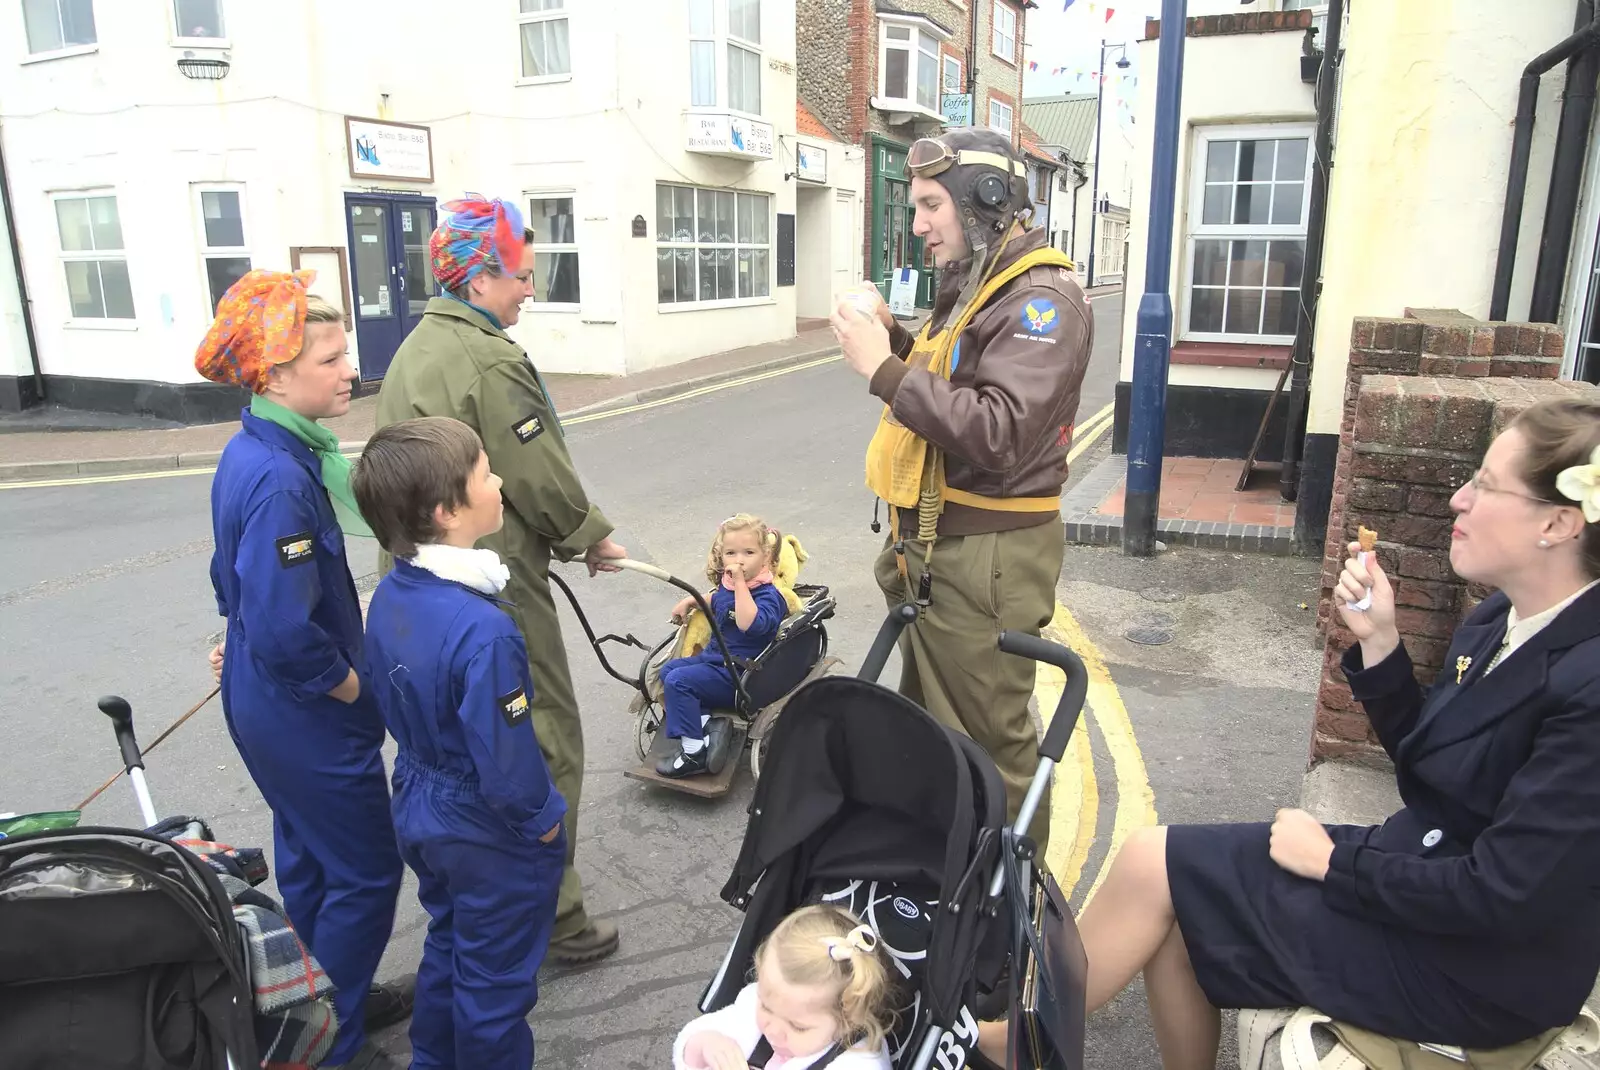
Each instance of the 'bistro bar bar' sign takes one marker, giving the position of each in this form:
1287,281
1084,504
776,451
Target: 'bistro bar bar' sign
381,149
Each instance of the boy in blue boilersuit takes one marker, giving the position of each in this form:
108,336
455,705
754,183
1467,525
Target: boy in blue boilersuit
475,811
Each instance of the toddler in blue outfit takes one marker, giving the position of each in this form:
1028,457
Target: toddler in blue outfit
748,610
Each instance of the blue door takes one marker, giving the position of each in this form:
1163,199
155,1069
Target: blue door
391,276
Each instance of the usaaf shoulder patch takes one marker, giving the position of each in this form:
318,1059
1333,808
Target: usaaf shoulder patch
296,549
514,707
1039,316
527,429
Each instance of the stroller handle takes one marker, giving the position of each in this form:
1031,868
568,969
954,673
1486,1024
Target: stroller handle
888,634
116,707
1032,647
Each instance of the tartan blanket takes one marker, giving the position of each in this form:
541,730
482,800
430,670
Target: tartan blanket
294,1016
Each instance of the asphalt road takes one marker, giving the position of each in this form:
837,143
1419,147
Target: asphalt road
104,588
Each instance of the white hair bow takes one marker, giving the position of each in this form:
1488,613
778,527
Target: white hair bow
1581,483
860,940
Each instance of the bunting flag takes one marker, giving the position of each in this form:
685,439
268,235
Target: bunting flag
1032,66
1109,12
1067,5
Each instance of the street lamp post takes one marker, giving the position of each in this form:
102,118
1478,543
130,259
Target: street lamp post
1147,402
1099,101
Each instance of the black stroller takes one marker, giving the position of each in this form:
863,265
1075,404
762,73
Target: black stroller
871,804
126,949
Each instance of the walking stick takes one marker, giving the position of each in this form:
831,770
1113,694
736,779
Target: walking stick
173,727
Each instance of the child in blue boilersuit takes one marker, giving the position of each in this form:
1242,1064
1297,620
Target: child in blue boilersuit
748,610
475,811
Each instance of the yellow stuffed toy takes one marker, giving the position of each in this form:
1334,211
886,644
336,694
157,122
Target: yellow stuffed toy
696,631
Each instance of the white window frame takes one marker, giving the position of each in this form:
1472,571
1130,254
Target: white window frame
219,252
771,247
180,37
525,18
923,42
30,56
1203,136
945,63
1009,130
65,256
1113,246
555,193
997,38
721,39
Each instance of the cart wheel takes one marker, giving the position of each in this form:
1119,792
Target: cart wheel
645,727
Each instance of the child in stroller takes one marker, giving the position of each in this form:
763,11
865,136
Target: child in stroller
819,999
873,804
750,609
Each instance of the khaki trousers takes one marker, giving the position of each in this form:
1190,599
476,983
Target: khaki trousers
951,662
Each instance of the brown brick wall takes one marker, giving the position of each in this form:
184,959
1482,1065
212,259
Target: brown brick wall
1424,397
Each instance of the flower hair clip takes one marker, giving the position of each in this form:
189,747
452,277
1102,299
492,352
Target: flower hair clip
860,940
1581,484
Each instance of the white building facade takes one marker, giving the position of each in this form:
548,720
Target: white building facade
157,149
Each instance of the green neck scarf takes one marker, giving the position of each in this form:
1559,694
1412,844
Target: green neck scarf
335,465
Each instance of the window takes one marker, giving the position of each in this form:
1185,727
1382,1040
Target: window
1000,117
952,75
712,245
222,241
555,249
53,25
545,51
1319,17
1247,236
93,257
1113,246
1005,32
731,30
198,19
909,66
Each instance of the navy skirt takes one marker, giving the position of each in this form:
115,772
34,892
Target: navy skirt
1260,937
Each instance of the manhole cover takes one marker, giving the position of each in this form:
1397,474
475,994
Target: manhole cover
1154,630
1160,594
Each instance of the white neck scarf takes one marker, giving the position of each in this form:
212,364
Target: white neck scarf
481,570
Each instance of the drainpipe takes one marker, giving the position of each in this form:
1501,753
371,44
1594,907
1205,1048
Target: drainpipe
1294,428
1566,176
1521,150
1083,180
22,280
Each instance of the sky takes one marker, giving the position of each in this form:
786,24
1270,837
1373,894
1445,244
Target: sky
1063,49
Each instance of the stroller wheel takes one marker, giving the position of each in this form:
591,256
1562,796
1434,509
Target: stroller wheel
645,727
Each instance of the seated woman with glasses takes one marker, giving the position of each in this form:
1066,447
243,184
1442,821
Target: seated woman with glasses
1472,916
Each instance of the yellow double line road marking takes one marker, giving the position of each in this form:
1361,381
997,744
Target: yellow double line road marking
1075,797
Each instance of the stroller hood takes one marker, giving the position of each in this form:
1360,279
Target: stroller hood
860,782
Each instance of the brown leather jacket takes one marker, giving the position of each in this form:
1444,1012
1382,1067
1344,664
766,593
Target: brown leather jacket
1004,419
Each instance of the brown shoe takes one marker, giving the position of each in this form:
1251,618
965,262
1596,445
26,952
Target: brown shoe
591,944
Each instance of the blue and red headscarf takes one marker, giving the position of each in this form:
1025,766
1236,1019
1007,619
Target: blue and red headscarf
475,235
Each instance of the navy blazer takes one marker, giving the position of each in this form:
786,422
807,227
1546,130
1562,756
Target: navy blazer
1494,862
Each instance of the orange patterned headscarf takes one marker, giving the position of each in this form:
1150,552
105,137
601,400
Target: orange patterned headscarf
260,322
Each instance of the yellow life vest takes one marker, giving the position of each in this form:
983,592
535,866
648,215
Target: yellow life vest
898,460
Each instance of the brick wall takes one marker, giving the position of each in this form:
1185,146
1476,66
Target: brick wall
1424,397
997,76
825,59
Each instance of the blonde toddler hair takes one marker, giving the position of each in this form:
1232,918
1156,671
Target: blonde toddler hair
825,946
768,538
